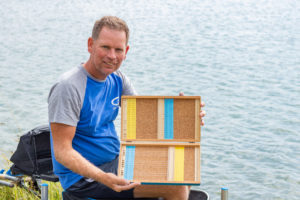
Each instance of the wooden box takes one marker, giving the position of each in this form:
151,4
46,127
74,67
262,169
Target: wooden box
160,139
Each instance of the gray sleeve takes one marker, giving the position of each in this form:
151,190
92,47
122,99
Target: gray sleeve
128,88
64,104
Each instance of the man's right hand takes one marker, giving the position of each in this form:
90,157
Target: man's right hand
116,183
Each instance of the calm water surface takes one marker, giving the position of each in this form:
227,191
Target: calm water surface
241,56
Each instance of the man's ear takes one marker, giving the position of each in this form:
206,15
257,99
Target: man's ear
90,44
126,50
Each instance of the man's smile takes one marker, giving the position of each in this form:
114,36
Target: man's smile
109,63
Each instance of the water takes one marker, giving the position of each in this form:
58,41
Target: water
241,56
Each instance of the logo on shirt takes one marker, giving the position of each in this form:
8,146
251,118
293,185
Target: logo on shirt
115,102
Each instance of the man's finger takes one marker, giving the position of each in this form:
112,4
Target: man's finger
202,104
119,188
114,180
202,113
120,181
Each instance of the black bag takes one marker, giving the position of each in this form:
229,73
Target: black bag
33,155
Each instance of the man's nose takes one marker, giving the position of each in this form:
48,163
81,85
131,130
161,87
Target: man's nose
111,54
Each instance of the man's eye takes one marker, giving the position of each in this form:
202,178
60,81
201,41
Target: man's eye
105,47
119,50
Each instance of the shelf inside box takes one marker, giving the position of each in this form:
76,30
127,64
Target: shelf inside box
160,163
160,118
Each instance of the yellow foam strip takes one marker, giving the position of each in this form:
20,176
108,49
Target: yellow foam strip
179,164
131,118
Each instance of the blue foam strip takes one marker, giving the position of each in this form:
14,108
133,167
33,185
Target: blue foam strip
169,104
129,162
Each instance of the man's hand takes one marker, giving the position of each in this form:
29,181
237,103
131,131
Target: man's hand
116,183
202,112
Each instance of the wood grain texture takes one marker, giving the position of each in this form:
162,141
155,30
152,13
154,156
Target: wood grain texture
124,119
160,118
171,154
197,164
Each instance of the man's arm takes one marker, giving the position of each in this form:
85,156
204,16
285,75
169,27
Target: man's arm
65,154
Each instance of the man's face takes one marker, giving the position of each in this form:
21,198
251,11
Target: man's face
107,52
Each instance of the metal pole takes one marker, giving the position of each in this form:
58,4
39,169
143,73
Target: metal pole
224,193
7,177
6,184
44,191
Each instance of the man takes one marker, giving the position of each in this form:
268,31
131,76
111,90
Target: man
82,108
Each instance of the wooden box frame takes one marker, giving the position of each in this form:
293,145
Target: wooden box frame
160,139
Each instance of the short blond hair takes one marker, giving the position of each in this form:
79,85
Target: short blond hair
111,22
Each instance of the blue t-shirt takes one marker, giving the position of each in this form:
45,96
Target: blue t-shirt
80,100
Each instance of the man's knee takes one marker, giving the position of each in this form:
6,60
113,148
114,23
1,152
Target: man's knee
182,192
177,192
168,192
